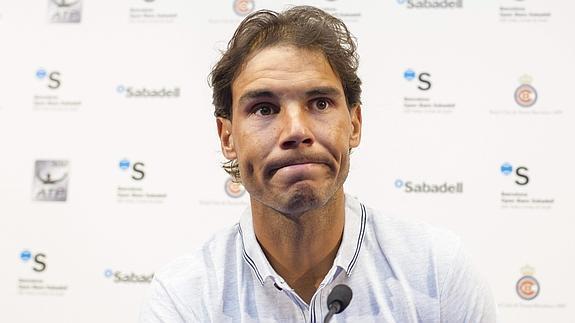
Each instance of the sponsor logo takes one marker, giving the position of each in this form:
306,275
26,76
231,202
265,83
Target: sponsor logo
244,7
50,180
53,79
145,92
64,11
35,279
424,79
233,189
514,11
150,11
121,277
431,4
429,188
527,286
521,177
136,169
51,100
423,101
525,94
38,260
521,195
136,188
238,9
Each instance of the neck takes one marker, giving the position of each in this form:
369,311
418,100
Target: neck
301,248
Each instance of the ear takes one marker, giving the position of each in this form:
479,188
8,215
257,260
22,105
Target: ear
355,137
226,137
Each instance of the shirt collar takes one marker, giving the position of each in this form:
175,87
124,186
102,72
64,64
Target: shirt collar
353,235
347,255
252,252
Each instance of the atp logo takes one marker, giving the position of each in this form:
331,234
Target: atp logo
51,179
53,79
64,11
38,260
137,169
521,177
424,79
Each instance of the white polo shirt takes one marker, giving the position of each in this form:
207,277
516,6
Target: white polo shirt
399,271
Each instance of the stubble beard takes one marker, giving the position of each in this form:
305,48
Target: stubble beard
304,197
301,197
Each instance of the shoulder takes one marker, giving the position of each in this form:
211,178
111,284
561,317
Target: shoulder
414,250
180,289
426,255
201,265
411,237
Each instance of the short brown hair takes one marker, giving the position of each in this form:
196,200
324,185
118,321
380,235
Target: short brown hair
301,26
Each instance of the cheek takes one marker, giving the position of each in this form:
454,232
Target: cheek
338,136
250,149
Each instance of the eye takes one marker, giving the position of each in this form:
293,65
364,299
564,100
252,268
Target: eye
321,104
263,110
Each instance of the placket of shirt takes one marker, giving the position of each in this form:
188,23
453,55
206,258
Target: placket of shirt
314,309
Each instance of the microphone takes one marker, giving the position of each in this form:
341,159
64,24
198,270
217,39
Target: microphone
338,300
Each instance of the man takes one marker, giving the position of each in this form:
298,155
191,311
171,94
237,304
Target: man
288,111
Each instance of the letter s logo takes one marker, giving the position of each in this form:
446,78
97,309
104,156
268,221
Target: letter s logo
524,179
39,259
139,171
426,82
55,80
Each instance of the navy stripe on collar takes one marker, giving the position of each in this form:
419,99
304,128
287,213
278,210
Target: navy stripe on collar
248,259
359,240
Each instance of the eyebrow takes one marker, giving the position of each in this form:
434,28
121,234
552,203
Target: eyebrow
256,94
323,90
267,94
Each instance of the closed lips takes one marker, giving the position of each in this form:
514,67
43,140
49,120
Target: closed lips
275,166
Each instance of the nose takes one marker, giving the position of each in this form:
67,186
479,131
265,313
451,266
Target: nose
296,128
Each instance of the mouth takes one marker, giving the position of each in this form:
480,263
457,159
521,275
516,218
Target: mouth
293,164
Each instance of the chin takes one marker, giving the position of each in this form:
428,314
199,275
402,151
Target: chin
298,200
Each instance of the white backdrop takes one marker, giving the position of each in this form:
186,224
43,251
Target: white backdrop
110,161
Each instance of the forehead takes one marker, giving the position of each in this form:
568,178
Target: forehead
285,70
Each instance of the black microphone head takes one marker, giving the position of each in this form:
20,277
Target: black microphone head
342,294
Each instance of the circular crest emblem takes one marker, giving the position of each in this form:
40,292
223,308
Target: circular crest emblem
527,288
244,7
525,95
235,190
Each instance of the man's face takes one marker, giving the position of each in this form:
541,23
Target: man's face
291,130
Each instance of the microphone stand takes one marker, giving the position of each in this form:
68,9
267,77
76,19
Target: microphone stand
333,308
